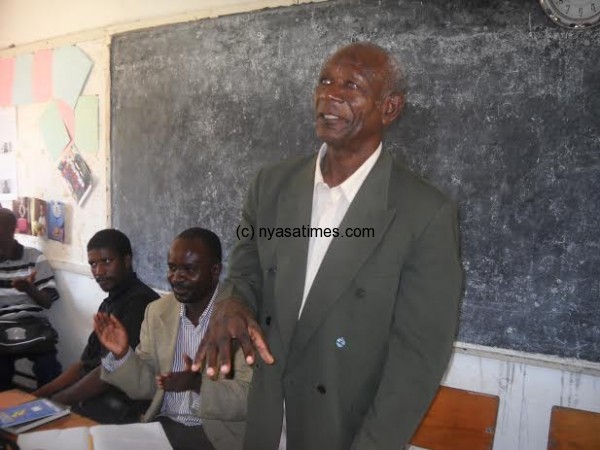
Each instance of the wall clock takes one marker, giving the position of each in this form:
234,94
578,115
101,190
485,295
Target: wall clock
573,13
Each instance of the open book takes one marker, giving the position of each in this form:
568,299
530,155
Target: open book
23,417
146,436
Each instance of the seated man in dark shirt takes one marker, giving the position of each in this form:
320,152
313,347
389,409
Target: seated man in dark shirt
110,259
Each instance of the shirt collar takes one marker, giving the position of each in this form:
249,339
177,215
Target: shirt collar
352,184
207,310
122,287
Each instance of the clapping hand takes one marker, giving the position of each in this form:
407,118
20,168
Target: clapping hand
180,381
112,334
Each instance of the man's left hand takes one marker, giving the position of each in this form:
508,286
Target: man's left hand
180,381
24,284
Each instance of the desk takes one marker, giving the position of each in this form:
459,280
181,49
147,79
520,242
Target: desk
16,397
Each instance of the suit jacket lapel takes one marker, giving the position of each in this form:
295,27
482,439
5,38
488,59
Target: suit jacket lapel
169,323
293,211
346,255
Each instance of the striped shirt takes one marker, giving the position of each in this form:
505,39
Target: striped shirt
178,406
14,304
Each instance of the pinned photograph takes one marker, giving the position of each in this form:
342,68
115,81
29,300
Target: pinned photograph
39,221
21,210
56,221
76,174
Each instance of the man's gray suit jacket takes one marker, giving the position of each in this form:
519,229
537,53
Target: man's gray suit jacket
361,365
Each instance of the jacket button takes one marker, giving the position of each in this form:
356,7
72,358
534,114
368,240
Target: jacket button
360,292
268,320
321,389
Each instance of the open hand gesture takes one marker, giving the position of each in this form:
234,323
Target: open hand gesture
231,320
111,333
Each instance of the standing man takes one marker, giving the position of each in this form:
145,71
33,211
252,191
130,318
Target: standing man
195,414
356,322
110,258
27,288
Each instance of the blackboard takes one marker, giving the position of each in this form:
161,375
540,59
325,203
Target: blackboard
503,115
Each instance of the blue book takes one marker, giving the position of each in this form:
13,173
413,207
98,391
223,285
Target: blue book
26,416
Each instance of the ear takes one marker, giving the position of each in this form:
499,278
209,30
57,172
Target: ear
215,271
128,262
392,107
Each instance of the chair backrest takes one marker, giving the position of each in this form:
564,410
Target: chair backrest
458,420
573,429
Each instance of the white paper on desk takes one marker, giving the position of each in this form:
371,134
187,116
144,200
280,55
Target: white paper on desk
146,436
67,439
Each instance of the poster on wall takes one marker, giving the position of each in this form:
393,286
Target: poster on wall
56,221
76,174
8,155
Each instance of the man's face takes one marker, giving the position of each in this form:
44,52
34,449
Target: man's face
348,99
109,268
191,271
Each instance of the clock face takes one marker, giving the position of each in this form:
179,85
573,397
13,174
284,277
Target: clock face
573,13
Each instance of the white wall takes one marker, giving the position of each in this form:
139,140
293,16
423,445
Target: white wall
527,388
25,21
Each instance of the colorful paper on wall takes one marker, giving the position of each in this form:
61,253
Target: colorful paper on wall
20,207
38,217
53,130
8,155
86,123
68,116
23,81
7,76
70,69
76,174
56,221
42,76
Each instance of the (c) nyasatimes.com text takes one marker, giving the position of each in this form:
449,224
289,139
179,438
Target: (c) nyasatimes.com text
305,231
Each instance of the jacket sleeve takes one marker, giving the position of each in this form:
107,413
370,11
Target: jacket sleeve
244,280
136,376
226,399
421,337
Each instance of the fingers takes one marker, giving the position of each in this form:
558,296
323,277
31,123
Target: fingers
162,380
115,322
187,363
261,345
31,277
100,322
200,355
224,353
247,346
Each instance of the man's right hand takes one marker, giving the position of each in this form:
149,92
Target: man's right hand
112,334
231,319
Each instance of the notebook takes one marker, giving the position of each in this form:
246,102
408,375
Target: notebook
146,436
26,416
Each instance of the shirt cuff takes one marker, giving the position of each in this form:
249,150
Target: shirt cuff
110,363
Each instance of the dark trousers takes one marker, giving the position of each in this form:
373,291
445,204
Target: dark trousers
182,437
45,368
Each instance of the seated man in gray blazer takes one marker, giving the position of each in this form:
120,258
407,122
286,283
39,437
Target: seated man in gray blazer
195,413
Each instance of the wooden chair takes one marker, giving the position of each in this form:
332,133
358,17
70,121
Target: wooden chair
573,429
458,420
